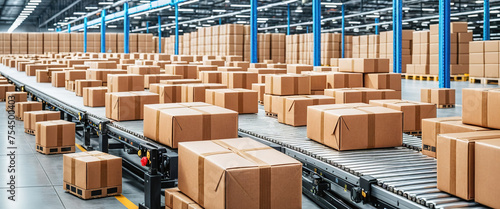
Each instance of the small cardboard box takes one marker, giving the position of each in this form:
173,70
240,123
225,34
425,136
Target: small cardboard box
81,84
456,162
181,201
298,68
344,80
480,107
210,76
122,106
432,127
4,88
288,84
239,79
169,93
196,92
102,74
21,107
180,81
42,76
292,110
357,95
413,112
102,65
125,82
94,96
186,71
383,81
363,65
72,75
239,180
261,89
438,96
355,126
487,167
143,69
32,117
156,78
55,133
239,100
13,97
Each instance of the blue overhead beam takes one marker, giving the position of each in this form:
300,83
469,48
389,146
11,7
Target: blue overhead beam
126,28
444,43
376,26
159,34
253,31
85,35
316,4
397,27
103,31
343,31
176,29
288,20
486,21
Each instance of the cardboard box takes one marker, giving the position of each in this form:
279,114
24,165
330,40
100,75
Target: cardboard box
261,89
143,69
102,74
292,110
413,112
438,96
432,127
169,93
344,80
21,107
480,107
456,162
383,81
210,76
181,201
283,184
156,78
486,170
354,126
239,100
298,68
102,65
288,84
196,92
4,88
363,65
239,79
55,133
81,84
364,95
32,117
180,81
193,122
169,196
13,97
42,76
94,96
125,82
72,75
186,71
122,106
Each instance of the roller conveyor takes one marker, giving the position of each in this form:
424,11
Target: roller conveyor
404,178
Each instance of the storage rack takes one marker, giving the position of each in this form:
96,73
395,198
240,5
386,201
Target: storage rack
379,178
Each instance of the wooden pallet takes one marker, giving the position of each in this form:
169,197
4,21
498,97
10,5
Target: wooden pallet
446,106
414,133
464,77
484,80
55,150
270,114
261,102
92,193
29,131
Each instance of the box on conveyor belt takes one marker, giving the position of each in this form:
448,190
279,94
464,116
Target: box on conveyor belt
180,81
69,85
356,95
169,93
125,82
42,76
363,65
13,97
268,70
122,106
72,75
240,168
80,84
292,110
186,71
298,68
102,74
239,100
383,81
219,63
487,167
175,199
196,92
318,80
456,161
93,170
288,84
201,68
261,89
344,80
32,117
4,88
194,121
481,107
162,57
94,96
240,79
432,127
354,126
143,69
102,65
55,133
413,112
21,107
156,78
230,69
210,76
283,66
438,96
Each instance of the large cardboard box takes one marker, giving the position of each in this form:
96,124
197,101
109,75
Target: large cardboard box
81,84
413,112
32,117
94,96
169,93
480,107
21,107
487,167
196,92
432,127
125,82
181,122
383,81
239,100
292,110
122,106
354,126
438,96
245,182
455,162
4,88
72,75
344,80
210,76
13,97
288,84
55,133
239,79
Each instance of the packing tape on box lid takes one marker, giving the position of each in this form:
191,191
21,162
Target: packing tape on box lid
447,97
240,101
346,80
104,171
387,81
296,85
322,119
429,95
437,127
484,108
453,166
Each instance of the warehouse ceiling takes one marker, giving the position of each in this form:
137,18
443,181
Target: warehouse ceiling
417,14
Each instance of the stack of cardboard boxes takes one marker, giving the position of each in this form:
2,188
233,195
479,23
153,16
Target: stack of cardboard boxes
20,43
5,43
292,49
35,43
386,48
77,42
484,59
64,42
111,43
459,48
330,47
264,46
420,58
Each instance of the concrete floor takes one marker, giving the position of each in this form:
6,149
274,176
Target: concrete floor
39,177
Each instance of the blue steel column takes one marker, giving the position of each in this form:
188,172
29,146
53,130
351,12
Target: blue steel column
176,29
85,35
343,31
253,31
317,32
126,28
147,27
159,34
103,31
486,20
220,21
288,20
376,26
397,24
444,43
69,28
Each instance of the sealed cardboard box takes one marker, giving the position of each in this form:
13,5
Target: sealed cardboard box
156,78
169,93
186,71
102,65
196,92
180,81
13,97
169,196
193,122
239,79
143,69
242,190
363,65
42,76
102,74
240,100
4,88
383,81
122,106
210,76
292,110
261,89
55,133
298,68
356,95
455,162
32,117
480,107
344,80
288,84
432,127
21,107
354,126
438,96
125,82
181,201
80,84
72,75
413,112
94,96
487,153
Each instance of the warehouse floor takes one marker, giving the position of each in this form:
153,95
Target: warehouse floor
39,177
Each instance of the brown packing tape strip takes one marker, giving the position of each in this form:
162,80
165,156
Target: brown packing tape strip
104,172
447,97
346,80
364,96
137,106
206,124
429,95
387,81
484,108
371,127
418,119
453,166
296,85
201,174
244,82
59,134
240,101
